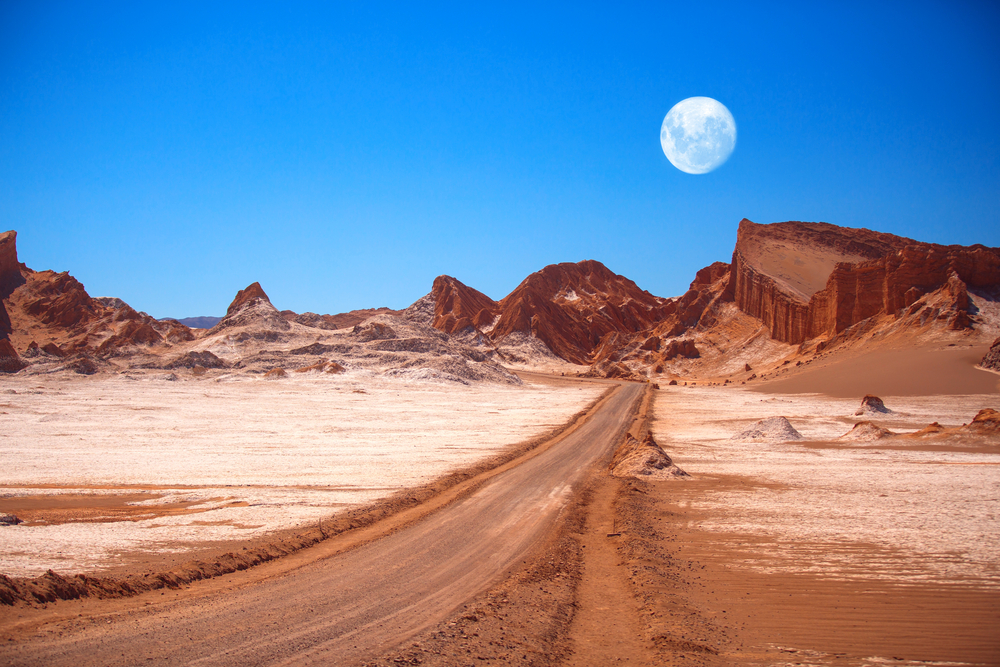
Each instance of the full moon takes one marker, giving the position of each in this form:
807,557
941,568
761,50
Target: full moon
698,135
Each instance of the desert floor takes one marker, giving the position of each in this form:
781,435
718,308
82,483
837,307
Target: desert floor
835,552
104,470
817,551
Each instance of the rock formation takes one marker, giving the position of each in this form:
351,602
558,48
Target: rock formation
809,279
871,404
571,308
866,432
251,309
10,269
458,307
772,429
644,459
50,314
991,360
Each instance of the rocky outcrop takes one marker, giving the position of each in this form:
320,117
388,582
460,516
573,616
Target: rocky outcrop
772,429
572,307
10,269
10,362
51,314
251,309
196,359
872,404
458,307
986,422
991,360
807,279
644,459
866,432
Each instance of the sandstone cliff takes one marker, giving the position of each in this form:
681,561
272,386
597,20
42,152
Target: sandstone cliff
806,280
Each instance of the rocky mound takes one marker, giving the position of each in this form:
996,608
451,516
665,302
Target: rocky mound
986,422
251,310
772,429
872,405
991,360
644,459
10,361
866,432
202,359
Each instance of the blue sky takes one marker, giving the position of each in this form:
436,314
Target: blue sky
345,155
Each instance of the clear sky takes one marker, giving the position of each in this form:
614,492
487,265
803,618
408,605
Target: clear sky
345,155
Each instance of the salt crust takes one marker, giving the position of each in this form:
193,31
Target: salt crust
849,511
294,451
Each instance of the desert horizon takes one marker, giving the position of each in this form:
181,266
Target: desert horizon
169,458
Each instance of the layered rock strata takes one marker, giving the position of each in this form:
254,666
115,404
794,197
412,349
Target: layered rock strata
806,279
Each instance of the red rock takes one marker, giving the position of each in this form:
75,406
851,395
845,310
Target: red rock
54,308
458,307
133,333
245,297
808,279
572,307
986,422
680,348
10,362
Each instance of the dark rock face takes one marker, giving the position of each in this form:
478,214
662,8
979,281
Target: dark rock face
10,269
991,360
10,362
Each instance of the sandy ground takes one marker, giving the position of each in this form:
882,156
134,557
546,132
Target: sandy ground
823,551
929,370
102,467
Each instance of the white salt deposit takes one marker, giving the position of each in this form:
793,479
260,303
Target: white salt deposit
844,511
772,429
292,451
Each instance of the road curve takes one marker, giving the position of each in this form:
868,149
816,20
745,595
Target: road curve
364,602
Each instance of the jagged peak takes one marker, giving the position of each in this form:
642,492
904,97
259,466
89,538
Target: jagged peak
245,296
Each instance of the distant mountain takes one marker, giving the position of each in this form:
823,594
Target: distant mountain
793,292
204,322
811,285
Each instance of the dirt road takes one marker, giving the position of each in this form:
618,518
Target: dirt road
356,605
